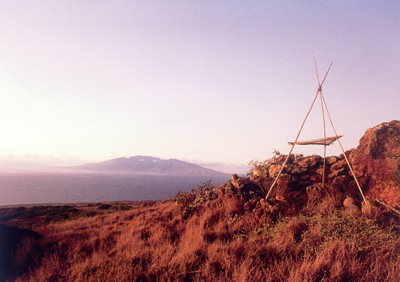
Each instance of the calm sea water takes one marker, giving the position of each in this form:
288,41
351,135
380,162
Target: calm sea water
19,188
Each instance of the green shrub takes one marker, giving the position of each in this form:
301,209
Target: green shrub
206,185
184,198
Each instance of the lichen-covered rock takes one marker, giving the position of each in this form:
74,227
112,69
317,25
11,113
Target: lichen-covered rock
336,173
296,169
274,170
310,161
259,171
331,160
378,157
339,165
240,182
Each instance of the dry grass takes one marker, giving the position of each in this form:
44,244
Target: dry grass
216,242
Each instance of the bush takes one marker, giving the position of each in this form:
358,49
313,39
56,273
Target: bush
103,206
184,199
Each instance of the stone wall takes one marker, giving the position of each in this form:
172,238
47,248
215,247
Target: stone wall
375,162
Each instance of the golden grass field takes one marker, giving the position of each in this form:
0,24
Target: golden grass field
217,241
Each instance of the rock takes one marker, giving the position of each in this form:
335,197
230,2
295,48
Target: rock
284,185
309,161
348,202
331,160
336,173
249,205
271,208
227,189
274,170
363,181
251,190
267,206
305,177
316,178
288,168
341,180
312,171
380,142
347,153
378,157
357,174
281,199
240,182
258,172
296,169
350,206
339,165
281,159
352,210
376,164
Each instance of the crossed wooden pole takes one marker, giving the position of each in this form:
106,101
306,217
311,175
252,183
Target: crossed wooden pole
322,141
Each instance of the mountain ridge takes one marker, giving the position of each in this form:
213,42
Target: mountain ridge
148,164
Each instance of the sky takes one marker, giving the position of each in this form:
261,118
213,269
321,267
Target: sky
204,81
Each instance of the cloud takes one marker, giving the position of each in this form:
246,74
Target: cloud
34,160
225,167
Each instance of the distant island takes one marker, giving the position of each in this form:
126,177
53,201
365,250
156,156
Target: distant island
147,164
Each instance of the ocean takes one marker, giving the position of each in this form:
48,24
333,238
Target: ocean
61,187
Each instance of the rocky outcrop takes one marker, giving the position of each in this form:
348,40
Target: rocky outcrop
375,163
242,188
302,172
377,158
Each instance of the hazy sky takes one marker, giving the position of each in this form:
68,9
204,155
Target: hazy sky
218,81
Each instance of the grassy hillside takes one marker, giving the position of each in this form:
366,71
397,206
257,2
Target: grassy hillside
217,240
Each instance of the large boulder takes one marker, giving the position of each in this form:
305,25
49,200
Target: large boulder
378,158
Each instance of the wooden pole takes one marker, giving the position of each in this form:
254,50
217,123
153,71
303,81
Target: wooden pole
323,120
297,137
280,171
325,75
389,207
316,70
298,134
323,115
348,163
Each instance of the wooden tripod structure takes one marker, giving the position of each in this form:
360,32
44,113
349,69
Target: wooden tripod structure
326,141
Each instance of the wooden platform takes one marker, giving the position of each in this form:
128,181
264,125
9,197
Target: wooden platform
322,141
